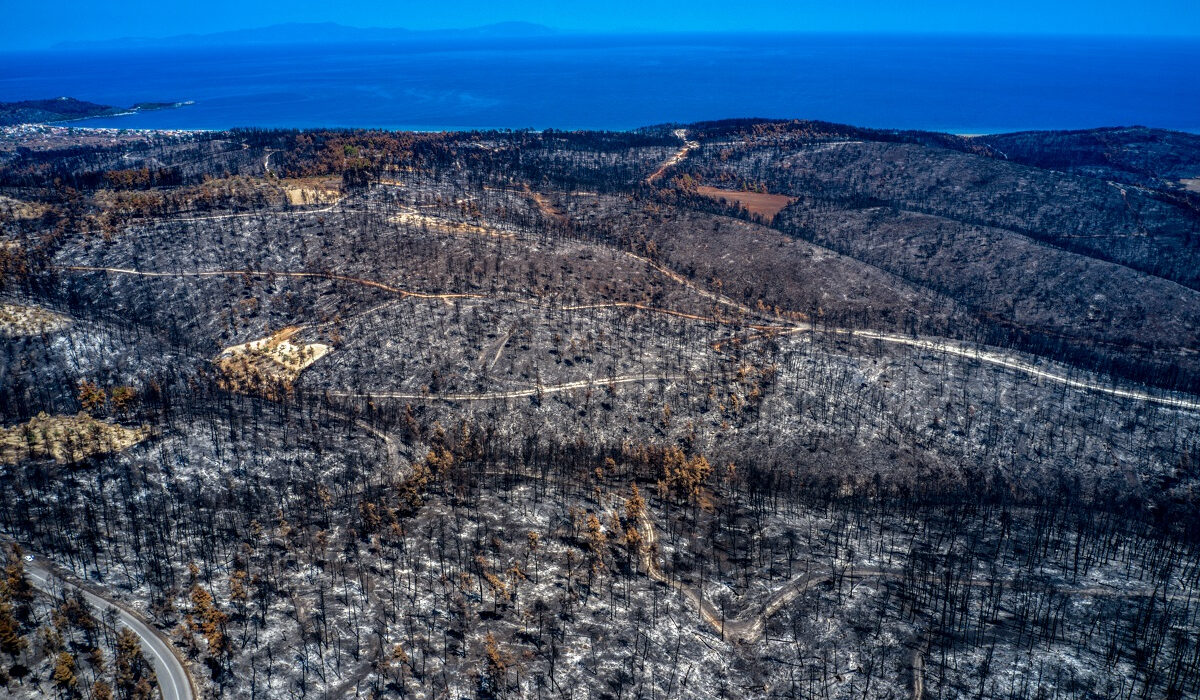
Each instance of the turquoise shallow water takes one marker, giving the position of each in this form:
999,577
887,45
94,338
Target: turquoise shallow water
951,84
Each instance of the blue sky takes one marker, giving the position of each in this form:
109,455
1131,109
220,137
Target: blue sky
30,24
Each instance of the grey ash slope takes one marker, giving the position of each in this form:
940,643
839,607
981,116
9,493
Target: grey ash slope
1056,262
581,428
1136,155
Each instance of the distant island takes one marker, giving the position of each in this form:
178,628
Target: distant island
315,33
63,109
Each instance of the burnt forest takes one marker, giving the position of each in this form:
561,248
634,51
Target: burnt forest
748,408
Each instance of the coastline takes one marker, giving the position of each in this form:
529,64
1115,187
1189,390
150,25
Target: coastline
77,124
956,86
130,111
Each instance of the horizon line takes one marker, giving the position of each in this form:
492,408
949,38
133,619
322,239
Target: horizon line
561,33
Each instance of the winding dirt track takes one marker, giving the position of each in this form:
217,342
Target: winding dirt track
942,345
750,627
242,215
267,159
517,394
672,312
1000,359
259,273
405,293
680,279
675,157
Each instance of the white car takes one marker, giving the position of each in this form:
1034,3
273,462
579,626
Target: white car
28,557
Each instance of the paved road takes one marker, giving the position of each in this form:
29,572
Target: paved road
173,680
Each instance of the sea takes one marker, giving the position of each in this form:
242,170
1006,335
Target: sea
959,84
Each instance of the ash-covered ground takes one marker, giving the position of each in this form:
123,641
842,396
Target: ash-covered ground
530,415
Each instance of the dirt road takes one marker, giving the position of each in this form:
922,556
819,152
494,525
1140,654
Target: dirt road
675,157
